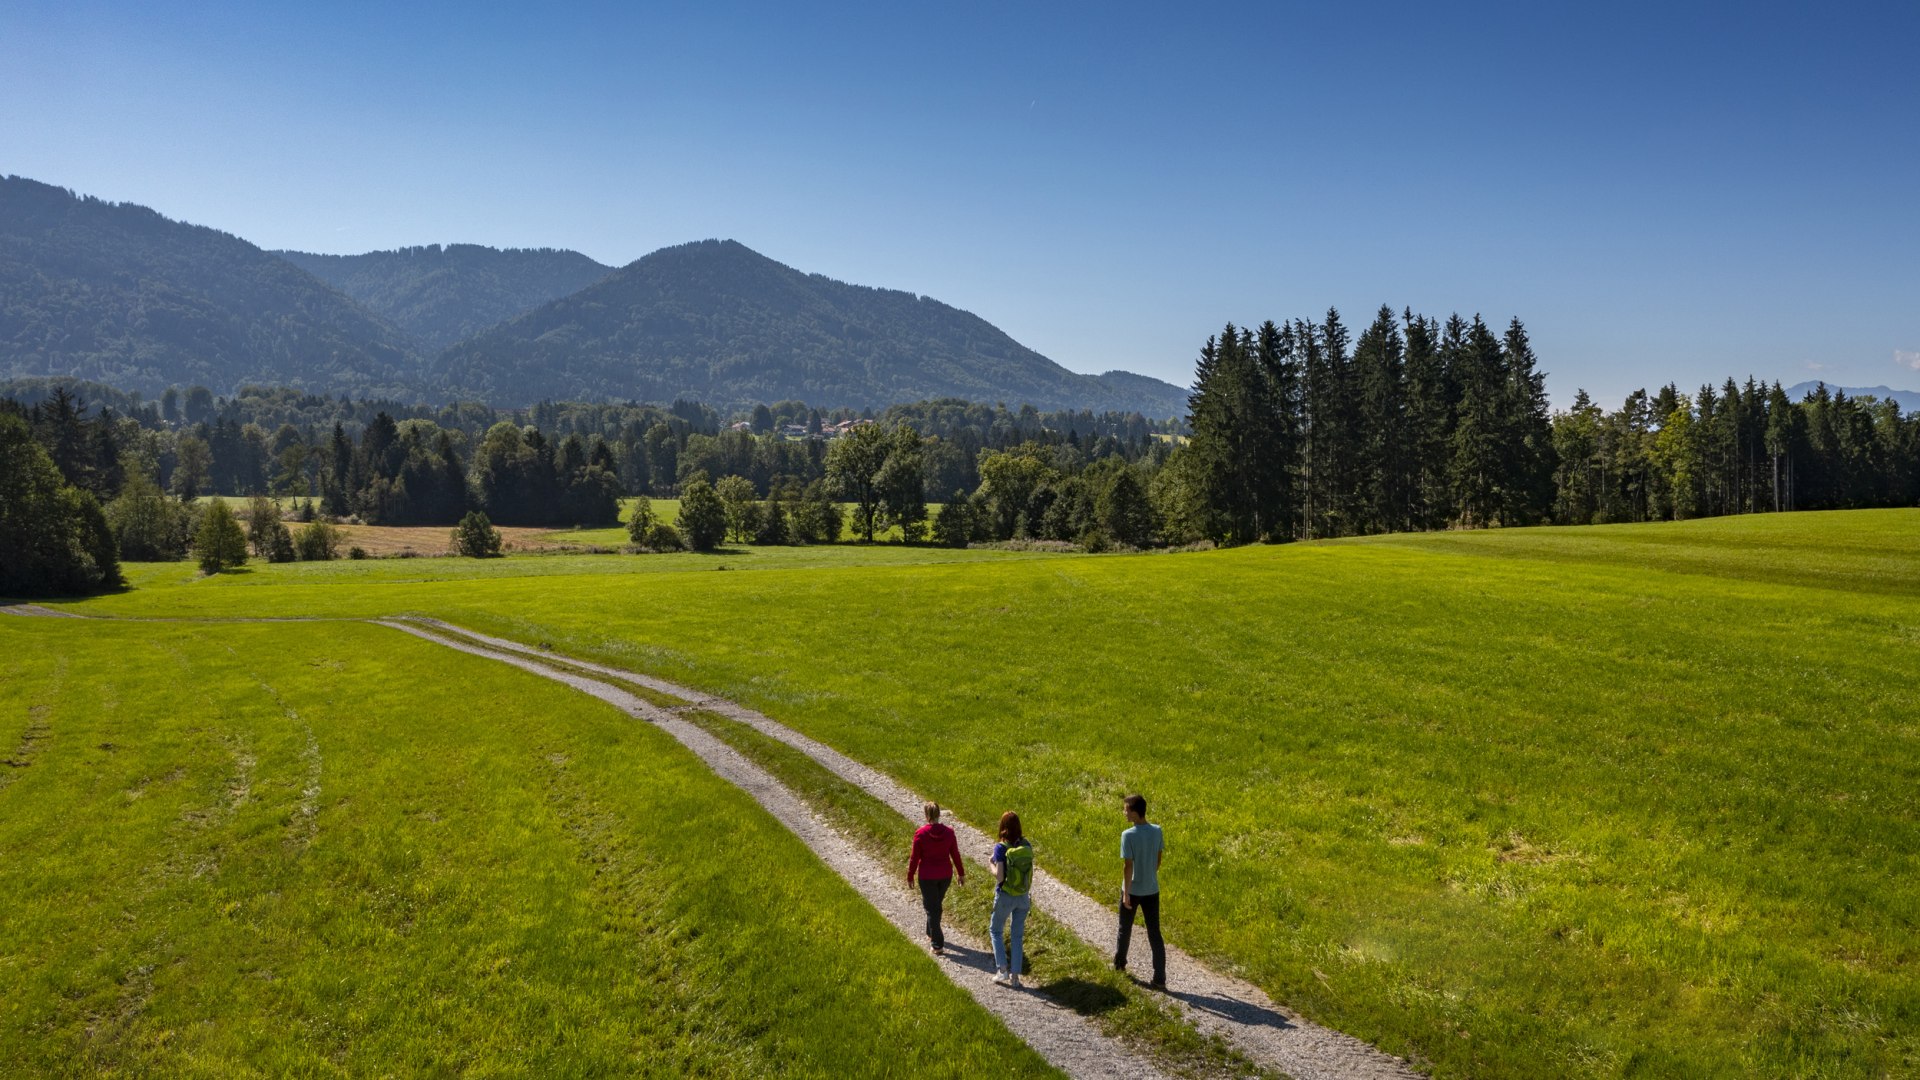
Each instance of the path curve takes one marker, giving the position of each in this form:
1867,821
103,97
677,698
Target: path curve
1214,1002
1067,1041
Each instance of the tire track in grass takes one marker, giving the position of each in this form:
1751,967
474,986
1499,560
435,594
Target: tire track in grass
34,737
1066,1040
1214,1002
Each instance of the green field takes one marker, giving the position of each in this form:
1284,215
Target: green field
330,849
1624,800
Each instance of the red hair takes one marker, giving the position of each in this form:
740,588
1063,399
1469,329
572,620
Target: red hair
1010,828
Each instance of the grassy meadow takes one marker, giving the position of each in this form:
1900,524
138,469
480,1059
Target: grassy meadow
331,849
1612,801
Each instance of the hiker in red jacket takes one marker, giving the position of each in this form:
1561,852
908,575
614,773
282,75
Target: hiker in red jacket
935,860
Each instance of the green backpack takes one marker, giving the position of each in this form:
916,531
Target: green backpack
1019,876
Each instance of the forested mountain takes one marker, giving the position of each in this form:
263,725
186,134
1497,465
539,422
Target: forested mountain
720,323
441,295
1909,400
119,294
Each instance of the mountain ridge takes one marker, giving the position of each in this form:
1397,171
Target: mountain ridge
442,295
120,294
716,320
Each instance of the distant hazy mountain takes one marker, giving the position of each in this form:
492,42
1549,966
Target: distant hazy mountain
1165,398
719,322
1909,399
116,293
443,295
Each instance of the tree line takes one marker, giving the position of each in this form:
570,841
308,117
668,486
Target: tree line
282,442
1300,431
1297,431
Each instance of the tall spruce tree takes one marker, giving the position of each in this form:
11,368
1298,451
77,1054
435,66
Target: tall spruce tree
1380,370
1277,437
1476,463
1526,489
1432,402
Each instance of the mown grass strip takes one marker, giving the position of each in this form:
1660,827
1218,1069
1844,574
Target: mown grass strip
1061,966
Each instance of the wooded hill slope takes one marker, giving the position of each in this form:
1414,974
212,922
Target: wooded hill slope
119,294
721,323
442,295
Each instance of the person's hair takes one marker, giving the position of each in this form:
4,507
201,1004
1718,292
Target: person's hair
1136,804
1010,828
933,811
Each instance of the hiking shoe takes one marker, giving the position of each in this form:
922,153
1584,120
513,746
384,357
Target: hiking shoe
1001,977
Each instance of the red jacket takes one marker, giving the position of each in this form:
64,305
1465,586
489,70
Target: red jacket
936,854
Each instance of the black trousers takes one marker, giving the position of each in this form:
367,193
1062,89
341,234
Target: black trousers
932,895
1150,907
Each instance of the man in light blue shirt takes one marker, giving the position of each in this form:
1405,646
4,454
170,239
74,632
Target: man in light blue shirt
1141,847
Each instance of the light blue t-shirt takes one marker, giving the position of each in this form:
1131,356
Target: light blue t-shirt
1142,844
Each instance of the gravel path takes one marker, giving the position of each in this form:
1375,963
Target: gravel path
1215,1003
1066,1040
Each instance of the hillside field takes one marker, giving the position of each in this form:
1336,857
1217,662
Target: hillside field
1611,801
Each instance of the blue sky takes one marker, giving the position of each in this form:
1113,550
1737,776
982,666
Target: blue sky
1661,192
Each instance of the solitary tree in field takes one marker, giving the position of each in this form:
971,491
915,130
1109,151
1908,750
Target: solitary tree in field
476,537
640,522
901,484
318,542
263,517
743,507
703,517
853,468
219,543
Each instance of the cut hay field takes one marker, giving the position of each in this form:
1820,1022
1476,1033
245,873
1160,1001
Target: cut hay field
1613,801
331,849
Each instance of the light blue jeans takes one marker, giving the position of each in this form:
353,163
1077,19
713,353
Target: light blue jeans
1008,958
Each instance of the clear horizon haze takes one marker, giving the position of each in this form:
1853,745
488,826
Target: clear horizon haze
1662,193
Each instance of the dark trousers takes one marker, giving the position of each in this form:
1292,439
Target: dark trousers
1150,907
933,893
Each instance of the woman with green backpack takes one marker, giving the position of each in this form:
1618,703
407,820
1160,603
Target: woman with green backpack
1013,877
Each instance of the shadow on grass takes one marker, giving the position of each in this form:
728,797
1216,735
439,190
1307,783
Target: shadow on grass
1083,996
